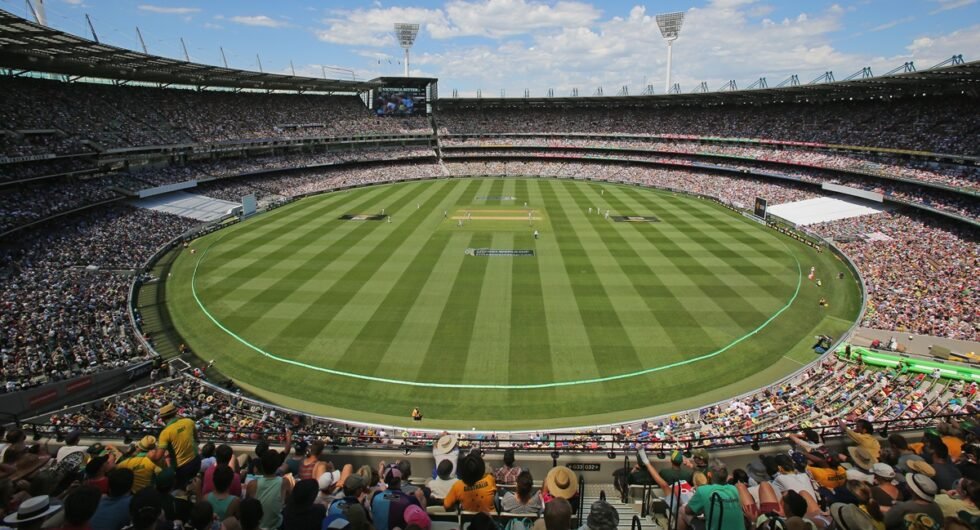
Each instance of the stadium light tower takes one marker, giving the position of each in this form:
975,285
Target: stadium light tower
670,28
406,34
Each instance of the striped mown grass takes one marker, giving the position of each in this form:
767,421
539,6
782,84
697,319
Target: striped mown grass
607,321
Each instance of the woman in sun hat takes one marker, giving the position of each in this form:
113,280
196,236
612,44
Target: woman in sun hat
561,482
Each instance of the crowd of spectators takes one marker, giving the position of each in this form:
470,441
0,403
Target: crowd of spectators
44,116
32,202
64,292
948,201
842,396
921,275
954,175
939,125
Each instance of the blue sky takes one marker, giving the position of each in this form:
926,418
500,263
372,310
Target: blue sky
540,44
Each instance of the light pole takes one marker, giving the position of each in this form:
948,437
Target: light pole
670,28
406,34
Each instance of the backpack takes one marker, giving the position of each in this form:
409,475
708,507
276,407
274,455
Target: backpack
519,523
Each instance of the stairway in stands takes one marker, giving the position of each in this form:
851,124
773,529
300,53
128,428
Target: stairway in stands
626,510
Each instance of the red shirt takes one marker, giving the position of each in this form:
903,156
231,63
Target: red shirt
101,483
208,483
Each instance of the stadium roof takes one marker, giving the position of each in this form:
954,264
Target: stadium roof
28,46
955,79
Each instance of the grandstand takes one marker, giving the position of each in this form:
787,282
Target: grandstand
105,186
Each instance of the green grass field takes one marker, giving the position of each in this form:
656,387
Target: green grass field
608,321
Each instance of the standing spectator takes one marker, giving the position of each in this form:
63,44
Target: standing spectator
312,466
507,474
179,437
862,435
113,510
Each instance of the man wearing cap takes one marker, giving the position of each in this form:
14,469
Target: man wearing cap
700,458
179,438
146,461
923,501
885,490
388,506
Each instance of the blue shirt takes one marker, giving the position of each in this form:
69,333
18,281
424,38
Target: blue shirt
112,513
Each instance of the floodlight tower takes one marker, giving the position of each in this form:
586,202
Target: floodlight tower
670,28
406,34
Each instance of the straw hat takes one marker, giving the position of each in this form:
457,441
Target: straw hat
921,466
444,445
921,485
561,482
168,410
851,517
862,457
147,443
32,509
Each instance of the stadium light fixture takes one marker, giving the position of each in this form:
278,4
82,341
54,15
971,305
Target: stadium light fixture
406,34
670,28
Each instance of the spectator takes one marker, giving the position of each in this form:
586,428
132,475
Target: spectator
923,491
145,461
80,506
179,437
730,510
443,482
223,457
476,488
270,490
388,506
251,514
145,510
523,499
301,512
224,503
32,513
113,510
507,474
557,516
561,482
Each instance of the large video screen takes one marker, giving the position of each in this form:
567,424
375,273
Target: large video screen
399,102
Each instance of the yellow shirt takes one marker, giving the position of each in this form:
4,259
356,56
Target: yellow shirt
867,441
179,438
828,477
475,498
143,468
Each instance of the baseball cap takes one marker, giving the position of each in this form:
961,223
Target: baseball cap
676,456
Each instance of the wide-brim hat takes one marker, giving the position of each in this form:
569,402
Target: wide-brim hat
561,482
444,445
147,443
921,485
862,457
31,510
168,410
921,466
851,517
883,470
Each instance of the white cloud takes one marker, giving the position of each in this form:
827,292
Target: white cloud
260,21
168,10
459,18
75,2
927,51
946,5
891,24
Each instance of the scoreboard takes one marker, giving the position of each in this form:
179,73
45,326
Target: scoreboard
760,208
